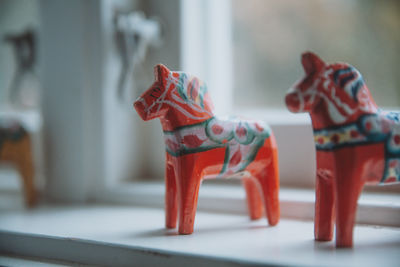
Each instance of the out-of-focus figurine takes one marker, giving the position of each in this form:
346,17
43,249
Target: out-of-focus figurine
356,143
200,146
25,87
16,148
134,35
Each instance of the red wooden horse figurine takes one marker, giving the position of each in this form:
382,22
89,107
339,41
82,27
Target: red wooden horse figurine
200,146
356,143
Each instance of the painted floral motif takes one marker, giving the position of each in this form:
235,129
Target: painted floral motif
373,128
327,139
241,139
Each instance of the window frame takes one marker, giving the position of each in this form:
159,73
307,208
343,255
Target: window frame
101,177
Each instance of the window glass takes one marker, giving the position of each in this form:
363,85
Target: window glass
269,37
19,83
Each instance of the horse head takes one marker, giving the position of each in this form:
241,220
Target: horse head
176,94
145,105
339,87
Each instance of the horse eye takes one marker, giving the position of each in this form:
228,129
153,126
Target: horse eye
155,92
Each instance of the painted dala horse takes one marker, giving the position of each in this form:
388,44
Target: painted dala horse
356,143
200,145
16,148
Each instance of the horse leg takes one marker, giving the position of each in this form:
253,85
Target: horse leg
254,199
188,184
324,198
324,206
269,181
171,198
26,170
20,154
349,184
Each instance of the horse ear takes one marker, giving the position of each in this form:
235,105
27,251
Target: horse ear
311,62
160,71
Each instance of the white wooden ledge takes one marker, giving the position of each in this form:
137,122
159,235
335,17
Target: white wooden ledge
134,236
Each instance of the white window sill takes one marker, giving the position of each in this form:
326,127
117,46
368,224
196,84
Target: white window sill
223,198
117,235
123,235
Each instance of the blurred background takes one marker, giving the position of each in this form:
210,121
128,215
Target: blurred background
70,71
268,37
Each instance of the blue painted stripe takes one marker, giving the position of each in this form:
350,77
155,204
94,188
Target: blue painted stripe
337,73
356,87
346,79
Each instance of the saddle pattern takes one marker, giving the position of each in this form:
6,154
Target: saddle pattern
368,129
241,139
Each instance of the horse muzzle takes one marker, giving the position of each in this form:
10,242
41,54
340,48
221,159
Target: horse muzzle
140,109
292,101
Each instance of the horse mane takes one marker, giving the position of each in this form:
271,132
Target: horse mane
194,91
349,80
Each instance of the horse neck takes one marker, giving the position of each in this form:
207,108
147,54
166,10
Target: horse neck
320,118
325,115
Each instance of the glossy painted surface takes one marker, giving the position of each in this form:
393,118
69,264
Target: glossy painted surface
16,148
356,142
200,146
